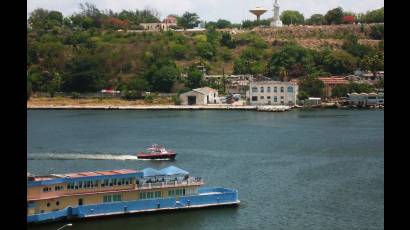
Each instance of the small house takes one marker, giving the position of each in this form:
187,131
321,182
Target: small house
200,96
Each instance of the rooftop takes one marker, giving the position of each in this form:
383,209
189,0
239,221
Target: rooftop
205,90
334,80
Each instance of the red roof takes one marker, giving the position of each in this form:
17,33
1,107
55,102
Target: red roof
333,80
100,173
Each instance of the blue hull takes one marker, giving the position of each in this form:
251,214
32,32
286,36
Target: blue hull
207,197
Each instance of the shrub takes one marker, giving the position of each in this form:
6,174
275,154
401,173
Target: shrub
176,100
131,95
149,98
75,95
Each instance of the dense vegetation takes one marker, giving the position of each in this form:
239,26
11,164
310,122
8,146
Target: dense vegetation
91,50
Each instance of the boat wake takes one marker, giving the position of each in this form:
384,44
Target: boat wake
79,156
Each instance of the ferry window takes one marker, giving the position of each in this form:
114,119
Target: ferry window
116,197
143,195
275,89
171,193
183,191
282,89
95,183
157,194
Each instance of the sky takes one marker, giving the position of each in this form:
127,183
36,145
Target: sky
210,10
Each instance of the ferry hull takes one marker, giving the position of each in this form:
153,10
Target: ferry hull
207,197
157,156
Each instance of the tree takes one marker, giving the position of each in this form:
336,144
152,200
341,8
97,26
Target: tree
334,16
375,16
377,32
312,87
339,62
295,59
84,73
291,17
222,24
373,63
316,19
178,51
352,46
164,78
226,40
194,78
340,91
205,50
188,20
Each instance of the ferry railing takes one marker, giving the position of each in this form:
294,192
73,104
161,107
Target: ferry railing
190,181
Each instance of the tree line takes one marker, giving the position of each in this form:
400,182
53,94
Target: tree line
85,53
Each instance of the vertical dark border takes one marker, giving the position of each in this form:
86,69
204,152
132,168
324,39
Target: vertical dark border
14,114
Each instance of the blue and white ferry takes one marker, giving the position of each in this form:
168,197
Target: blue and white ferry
116,192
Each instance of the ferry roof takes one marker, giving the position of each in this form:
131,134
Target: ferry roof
72,177
101,175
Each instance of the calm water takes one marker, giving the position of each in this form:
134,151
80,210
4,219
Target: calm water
319,169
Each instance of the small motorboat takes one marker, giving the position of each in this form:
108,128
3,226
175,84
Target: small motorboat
157,152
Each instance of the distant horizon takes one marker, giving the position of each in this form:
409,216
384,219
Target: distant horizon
210,10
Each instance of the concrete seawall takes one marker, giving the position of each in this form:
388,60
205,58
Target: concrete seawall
165,107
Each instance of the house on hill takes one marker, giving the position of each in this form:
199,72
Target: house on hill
330,83
200,96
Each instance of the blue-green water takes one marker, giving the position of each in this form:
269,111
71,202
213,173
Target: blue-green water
318,169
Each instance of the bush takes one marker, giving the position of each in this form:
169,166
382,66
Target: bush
176,100
149,98
131,95
75,95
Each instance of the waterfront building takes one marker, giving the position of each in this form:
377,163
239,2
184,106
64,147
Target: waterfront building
272,93
330,83
366,99
101,193
166,24
200,96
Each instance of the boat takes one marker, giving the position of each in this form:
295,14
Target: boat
119,192
157,152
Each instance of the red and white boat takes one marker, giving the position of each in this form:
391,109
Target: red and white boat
157,152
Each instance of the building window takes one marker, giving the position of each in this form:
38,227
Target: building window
48,204
268,90
254,98
290,89
275,89
281,97
268,97
262,97
262,90
58,203
47,189
254,89
282,89
275,99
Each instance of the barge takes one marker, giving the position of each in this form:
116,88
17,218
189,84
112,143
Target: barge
117,192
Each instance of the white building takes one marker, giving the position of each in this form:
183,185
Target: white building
272,93
366,99
200,96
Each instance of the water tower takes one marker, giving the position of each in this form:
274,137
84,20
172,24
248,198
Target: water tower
258,11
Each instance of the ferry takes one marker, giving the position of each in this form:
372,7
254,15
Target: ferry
157,152
117,192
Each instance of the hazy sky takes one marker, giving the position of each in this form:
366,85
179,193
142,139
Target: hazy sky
210,10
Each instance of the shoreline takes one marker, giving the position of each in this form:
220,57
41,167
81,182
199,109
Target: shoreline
263,108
